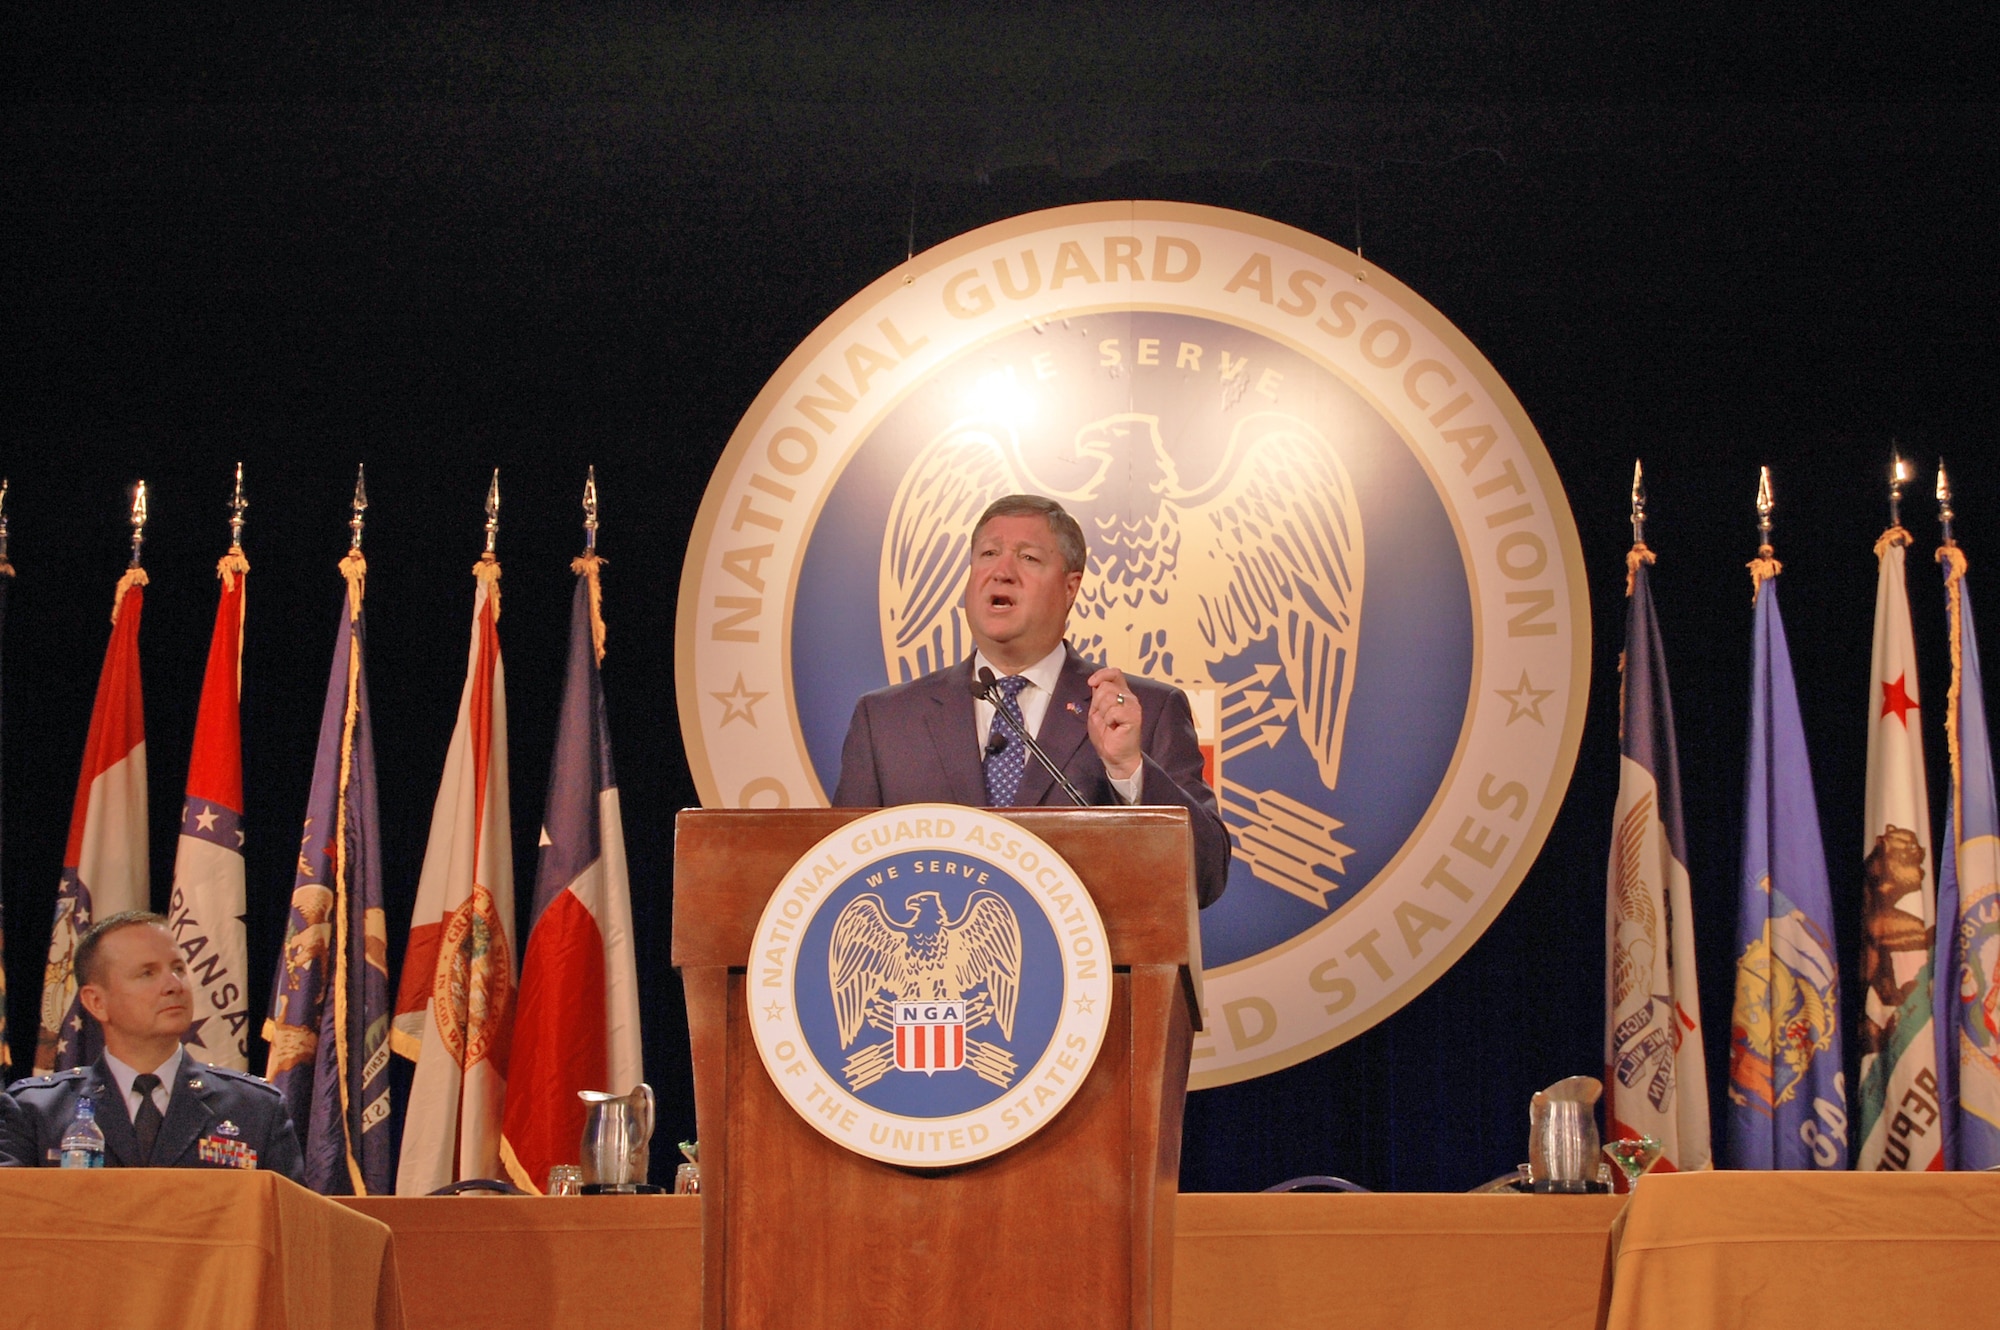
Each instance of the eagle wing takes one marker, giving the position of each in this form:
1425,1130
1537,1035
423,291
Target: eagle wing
867,954
926,546
1632,963
1274,543
983,945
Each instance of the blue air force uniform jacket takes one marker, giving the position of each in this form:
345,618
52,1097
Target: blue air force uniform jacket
215,1119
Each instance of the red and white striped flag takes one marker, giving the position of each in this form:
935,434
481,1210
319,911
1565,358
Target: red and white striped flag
104,863
206,912
455,1007
578,1027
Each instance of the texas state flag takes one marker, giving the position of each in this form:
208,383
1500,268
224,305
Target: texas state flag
455,1006
577,1027
206,912
104,863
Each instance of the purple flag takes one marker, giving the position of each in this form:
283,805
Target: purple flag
329,1023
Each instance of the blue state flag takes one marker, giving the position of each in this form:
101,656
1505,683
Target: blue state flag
1967,999
329,1022
1787,1094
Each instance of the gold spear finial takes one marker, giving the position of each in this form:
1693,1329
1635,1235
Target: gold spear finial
360,507
1638,502
590,510
1899,475
1765,566
8,570
238,505
493,512
1943,498
138,520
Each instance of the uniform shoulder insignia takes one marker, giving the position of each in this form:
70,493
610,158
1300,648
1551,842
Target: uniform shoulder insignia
241,1077
54,1078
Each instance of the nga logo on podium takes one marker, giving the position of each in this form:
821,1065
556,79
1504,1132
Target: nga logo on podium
931,985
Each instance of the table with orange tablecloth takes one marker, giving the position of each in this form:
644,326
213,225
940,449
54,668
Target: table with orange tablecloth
1268,1261
1811,1250
137,1248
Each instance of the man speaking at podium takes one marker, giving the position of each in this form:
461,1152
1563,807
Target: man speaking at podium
932,739
156,1106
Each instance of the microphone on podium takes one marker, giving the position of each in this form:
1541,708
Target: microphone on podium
983,687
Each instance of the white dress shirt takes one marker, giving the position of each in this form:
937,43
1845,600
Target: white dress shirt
1042,677
167,1072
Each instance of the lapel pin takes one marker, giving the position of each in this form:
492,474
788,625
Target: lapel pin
1075,708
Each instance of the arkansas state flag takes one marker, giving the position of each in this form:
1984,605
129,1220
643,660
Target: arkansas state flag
1897,1097
455,1007
1656,1081
207,908
104,863
578,1027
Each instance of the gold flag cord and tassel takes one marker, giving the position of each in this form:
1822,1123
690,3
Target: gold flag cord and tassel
586,566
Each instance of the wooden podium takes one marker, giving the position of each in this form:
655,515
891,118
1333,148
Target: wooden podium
1073,1227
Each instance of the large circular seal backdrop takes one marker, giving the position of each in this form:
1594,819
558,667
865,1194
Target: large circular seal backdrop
1311,504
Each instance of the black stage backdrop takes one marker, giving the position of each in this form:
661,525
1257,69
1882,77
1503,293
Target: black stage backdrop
445,244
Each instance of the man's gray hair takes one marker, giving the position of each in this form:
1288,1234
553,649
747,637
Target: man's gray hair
1069,536
85,957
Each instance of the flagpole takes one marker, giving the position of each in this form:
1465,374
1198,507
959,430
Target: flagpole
1765,566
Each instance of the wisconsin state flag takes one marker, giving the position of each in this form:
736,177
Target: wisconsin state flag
578,1027
206,912
455,1006
104,862
1897,1097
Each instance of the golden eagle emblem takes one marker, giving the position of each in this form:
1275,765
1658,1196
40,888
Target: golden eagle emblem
927,973
1187,574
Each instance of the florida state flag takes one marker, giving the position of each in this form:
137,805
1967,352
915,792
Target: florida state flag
104,863
579,1020
207,906
455,1007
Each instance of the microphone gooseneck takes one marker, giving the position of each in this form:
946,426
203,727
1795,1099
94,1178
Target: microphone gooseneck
983,686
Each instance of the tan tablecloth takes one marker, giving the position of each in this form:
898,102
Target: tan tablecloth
1319,1259
215,1248
1779,1250
501,1262
1267,1261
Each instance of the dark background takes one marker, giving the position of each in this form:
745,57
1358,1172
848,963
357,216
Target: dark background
529,239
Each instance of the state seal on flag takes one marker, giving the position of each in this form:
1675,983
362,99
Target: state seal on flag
1310,504
931,985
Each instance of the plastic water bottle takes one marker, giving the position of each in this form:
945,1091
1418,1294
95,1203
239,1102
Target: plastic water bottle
83,1139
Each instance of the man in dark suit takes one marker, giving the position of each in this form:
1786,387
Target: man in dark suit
157,1106
1118,740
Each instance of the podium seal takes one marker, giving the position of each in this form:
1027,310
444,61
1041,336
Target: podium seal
930,985
1311,505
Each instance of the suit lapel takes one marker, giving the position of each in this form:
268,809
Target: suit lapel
955,735
187,1115
1065,729
121,1143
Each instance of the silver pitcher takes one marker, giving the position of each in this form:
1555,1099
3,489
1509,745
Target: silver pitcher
616,1131
1562,1135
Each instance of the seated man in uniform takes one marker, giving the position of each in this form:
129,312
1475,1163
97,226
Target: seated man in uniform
1118,740
157,1106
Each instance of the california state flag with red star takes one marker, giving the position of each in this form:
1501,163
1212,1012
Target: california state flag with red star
1901,1119
455,1008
